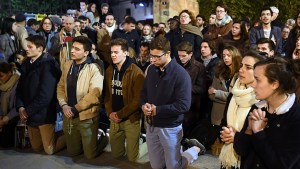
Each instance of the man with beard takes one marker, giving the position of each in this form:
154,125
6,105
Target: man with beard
266,30
104,38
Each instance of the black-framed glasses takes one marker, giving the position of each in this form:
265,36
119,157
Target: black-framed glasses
156,56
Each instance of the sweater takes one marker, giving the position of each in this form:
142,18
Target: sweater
170,92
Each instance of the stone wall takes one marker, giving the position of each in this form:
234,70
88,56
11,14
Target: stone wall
165,9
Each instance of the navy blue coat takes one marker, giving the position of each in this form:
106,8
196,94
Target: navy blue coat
258,32
36,91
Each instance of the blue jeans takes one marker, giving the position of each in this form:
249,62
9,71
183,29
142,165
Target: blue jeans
164,148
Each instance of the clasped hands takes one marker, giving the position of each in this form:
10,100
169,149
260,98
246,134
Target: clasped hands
149,109
256,122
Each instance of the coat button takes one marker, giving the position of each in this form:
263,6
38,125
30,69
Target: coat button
257,165
278,125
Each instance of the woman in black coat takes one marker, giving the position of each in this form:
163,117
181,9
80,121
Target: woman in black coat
270,136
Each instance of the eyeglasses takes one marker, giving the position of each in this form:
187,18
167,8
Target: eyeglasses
156,56
184,16
220,11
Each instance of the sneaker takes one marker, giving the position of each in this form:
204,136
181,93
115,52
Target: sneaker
195,142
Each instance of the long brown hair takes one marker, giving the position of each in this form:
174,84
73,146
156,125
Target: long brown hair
223,70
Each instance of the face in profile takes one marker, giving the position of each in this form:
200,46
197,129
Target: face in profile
246,72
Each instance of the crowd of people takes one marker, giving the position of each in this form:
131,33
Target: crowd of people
161,80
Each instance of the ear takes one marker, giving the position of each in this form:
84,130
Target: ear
86,53
275,85
272,52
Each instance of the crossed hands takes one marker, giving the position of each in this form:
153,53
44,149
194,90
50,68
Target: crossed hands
227,134
257,121
149,109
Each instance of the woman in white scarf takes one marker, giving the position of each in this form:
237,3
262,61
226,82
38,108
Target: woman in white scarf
242,99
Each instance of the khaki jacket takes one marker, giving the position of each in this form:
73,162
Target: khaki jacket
89,89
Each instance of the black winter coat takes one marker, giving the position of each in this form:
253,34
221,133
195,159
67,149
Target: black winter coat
36,91
176,36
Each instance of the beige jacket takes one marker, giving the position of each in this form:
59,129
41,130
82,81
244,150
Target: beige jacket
21,36
89,89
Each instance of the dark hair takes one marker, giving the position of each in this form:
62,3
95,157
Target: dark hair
104,5
201,16
270,43
85,41
84,1
255,55
7,67
155,25
120,42
266,8
244,33
280,70
81,17
185,46
223,70
129,20
42,22
211,45
31,22
145,44
160,43
7,25
37,40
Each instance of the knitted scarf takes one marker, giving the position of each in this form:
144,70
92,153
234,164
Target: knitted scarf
242,100
224,21
192,29
6,90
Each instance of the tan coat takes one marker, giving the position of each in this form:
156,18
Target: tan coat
89,89
103,43
21,36
219,98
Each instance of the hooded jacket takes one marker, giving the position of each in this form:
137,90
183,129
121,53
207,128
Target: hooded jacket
132,84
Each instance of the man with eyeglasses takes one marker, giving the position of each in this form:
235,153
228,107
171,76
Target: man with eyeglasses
165,97
222,25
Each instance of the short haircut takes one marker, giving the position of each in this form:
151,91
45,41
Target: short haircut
84,18
266,8
84,1
104,5
222,5
185,46
37,40
280,70
120,42
145,44
85,41
31,22
160,43
155,25
162,23
211,45
201,16
270,43
129,20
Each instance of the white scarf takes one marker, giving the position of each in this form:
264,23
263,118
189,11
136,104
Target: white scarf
240,104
